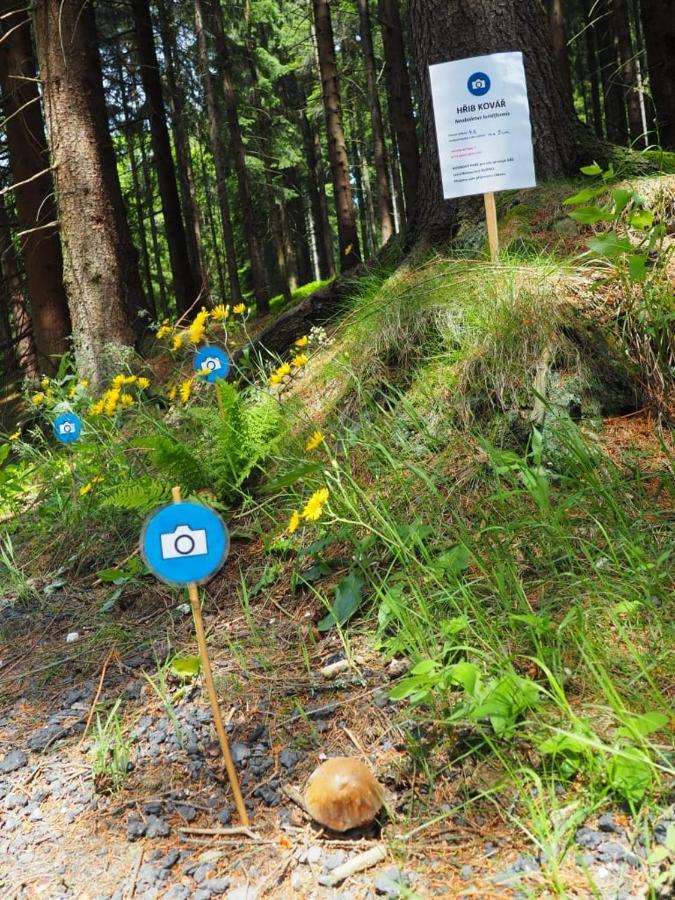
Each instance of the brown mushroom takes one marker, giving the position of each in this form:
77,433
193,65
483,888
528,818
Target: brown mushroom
342,793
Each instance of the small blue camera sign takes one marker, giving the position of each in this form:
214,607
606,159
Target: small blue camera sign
184,542
67,428
212,363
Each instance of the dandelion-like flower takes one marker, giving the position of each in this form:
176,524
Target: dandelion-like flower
97,408
15,436
197,330
177,342
314,507
300,360
126,400
315,440
44,383
173,392
86,488
294,522
110,401
239,309
186,390
143,383
302,341
38,399
164,330
220,312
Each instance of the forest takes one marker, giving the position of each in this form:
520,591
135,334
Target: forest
336,449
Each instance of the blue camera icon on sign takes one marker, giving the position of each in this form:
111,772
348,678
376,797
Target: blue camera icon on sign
478,84
211,364
67,428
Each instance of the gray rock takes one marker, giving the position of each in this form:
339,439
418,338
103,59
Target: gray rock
135,828
267,794
177,892
245,892
314,854
156,827
333,860
490,849
607,822
170,860
466,872
612,851
15,801
239,752
153,807
186,812
201,894
297,881
225,815
391,882
41,739
201,873
288,758
37,815
14,760
11,823
148,875
589,838
513,872
216,885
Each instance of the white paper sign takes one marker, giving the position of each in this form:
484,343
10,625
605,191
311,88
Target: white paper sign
483,124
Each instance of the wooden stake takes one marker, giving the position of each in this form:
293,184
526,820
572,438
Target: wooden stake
491,219
211,689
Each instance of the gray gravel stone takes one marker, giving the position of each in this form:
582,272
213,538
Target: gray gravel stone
11,823
216,885
177,892
333,860
14,760
156,827
239,752
288,758
225,815
15,801
607,822
135,828
466,872
201,894
171,858
201,873
45,736
186,812
245,892
589,838
391,882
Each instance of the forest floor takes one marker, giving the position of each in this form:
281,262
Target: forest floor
540,558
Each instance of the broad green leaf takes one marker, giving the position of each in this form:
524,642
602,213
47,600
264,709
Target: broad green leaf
630,776
583,196
112,575
289,478
644,725
593,169
657,856
4,453
406,687
637,267
610,245
425,667
348,596
455,560
186,666
642,219
467,675
621,198
589,215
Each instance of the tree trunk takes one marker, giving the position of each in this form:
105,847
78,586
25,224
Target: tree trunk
210,221
185,281
35,206
337,148
615,109
556,24
379,147
176,97
658,20
317,197
218,152
100,264
629,75
238,153
26,352
444,29
593,67
149,192
400,100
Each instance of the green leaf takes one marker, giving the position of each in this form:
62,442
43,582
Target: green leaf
610,245
406,687
425,667
454,561
657,856
583,196
589,215
621,198
637,267
290,478
642,219
4,452
186,666
467,675
348,596
593,169
630,776
644,725
112,575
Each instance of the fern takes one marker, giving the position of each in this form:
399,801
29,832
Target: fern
142,495
176,460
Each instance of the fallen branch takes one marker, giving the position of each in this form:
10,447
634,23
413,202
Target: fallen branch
363,861
98,694
224,832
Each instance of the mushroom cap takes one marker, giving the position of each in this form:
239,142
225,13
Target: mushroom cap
342,793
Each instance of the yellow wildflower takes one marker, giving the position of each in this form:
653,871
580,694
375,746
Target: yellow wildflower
130,379
197,330
284,369
295,521
110,401
37,399
275,378
86,488
220,312
186,390
15,436
117,382
173,392
239,309
164,330
72,392
97,408
314,441
300,360
302,341
143,383
84,384
177,342
314,507
126,400
44,384
348,249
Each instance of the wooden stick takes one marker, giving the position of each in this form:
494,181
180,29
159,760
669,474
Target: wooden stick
363,861
491,219
211,689
98,694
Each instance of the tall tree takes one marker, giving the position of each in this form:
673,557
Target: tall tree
593,67
100,265
400,99
218,151
658,19
610,74
34,189
317,196
13,297
238,153
558,29
628,68
337,147
379,147
449,29
185,280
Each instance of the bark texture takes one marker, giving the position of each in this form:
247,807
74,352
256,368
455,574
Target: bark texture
15,308
658,19
628,69
610,71
449,29
35,206
100,265
558,29
337,147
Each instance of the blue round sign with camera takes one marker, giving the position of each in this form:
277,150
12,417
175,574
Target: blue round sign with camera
184,542
67,428
212,363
